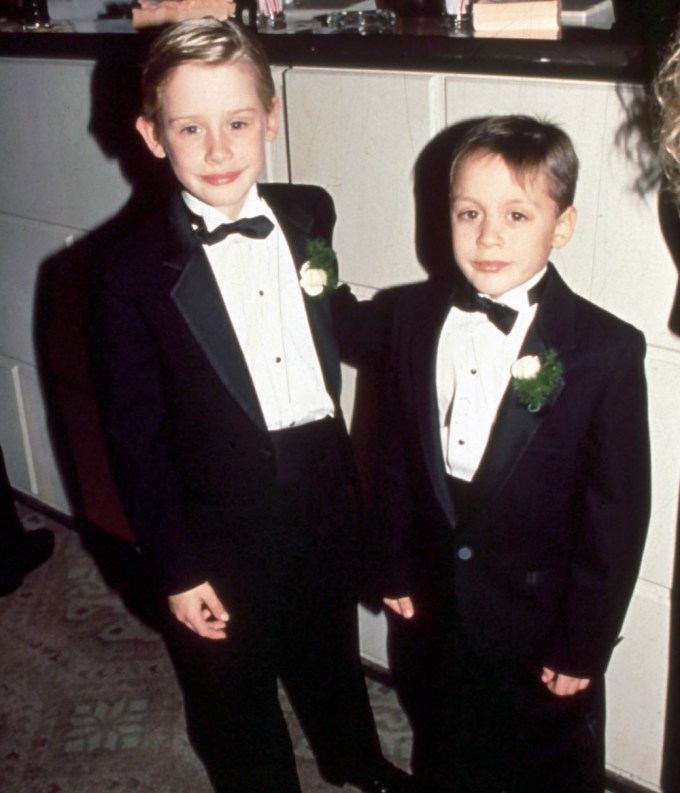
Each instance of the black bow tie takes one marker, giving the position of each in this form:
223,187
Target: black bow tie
256,228
466,298
502,316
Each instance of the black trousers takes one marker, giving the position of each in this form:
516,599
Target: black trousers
287,585
483,725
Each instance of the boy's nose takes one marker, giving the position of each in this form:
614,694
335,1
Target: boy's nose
489,232
218,148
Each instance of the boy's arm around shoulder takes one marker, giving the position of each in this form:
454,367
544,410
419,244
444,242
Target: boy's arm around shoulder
362,328
613,508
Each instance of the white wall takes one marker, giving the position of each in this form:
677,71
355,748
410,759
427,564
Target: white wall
359,135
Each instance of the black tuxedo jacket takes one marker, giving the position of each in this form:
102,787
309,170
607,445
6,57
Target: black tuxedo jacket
186,436
545,566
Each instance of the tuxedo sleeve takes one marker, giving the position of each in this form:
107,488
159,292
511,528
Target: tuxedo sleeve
393,519
361,327
127,375
390,499
610,523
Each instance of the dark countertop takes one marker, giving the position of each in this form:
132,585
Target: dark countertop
422,45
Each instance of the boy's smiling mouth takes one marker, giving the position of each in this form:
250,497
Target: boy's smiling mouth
489,266
221,178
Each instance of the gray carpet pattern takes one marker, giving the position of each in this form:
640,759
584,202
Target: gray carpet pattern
88,698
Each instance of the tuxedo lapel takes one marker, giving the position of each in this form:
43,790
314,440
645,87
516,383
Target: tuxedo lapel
197,296
423,361
515,425
512,431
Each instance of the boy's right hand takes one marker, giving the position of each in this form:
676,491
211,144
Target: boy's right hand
563,685
201,611
401,606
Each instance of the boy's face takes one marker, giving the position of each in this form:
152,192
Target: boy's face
503,231
213,130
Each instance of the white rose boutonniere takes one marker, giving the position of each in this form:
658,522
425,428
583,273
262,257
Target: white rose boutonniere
318,275
535,377
313,279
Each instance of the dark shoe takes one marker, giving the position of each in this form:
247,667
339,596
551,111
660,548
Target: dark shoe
37,547
389,779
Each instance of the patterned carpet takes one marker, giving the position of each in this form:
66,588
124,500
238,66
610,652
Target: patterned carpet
88,700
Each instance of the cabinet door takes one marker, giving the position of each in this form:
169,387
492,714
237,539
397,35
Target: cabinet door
358,134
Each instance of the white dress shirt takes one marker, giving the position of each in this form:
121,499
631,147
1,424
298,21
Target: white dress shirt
473,372
260,289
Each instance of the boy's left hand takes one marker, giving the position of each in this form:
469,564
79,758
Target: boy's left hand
563,685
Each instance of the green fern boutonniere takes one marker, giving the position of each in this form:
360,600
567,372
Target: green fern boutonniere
318,275
535,378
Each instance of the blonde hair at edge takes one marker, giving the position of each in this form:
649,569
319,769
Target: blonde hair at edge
667,90
209,41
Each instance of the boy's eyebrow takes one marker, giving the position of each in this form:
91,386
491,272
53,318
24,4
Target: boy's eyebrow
198,114
521,201
464,197
514,203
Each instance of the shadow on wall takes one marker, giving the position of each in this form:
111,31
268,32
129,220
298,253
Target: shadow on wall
60,328
431,198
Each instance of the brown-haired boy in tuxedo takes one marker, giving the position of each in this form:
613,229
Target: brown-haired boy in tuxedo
518,481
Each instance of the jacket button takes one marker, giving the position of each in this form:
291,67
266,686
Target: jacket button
465,553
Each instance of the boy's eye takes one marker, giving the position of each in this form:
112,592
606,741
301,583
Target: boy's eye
190,129
517,216
238,125
468,214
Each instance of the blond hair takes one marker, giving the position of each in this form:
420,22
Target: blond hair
667,91
209,41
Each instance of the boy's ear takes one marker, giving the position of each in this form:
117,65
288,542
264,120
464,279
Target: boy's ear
273,119
564,227
147,129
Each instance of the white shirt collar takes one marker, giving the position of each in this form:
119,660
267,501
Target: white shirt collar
252,206
518,297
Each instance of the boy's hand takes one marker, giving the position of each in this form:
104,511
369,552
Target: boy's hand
401,606
563,685
201,611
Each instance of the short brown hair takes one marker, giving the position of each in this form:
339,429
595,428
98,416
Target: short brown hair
528,146
209,41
